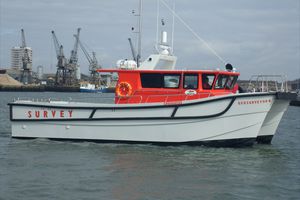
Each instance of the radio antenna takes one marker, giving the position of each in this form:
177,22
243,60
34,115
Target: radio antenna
193,32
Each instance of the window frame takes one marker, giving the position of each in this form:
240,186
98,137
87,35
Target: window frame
212,84
161,78
175,74
190,74
142,79
224,85
233,82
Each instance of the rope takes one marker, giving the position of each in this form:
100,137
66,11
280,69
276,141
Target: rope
193,32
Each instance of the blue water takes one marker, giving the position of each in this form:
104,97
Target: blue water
45,169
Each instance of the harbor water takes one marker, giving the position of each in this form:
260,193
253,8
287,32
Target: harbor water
45,169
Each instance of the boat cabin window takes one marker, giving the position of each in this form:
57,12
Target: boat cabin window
231,82
155,80
221,81
190,81
151,80
171,80
207,81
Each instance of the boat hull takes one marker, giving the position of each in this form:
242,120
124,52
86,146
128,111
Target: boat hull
272,121
233,120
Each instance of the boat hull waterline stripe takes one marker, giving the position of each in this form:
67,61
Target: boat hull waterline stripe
242,142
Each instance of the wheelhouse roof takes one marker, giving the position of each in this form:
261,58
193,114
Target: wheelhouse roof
169,71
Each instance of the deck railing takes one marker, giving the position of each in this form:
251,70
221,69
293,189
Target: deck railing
89,99
135,98
166,98
267,83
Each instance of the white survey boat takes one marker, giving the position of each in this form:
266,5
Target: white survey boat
162,106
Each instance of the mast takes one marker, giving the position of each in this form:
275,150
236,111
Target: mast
139,56
173,23
157,22
132,50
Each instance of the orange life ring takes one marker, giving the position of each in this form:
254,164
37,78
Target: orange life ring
124,89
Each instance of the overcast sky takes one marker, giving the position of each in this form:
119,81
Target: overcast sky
255,36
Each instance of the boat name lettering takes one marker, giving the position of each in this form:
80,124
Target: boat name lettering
261,101
49,114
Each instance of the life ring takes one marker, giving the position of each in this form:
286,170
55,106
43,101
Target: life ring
124,89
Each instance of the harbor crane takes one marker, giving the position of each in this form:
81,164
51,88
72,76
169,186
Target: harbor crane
93,64
73,65
66,69
26,75
74,56
61,73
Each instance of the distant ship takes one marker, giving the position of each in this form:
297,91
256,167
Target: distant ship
91,88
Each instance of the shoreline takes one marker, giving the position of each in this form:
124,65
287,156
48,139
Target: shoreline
39,88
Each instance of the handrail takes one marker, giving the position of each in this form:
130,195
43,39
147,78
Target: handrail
167,97
65,99
135,98
267,83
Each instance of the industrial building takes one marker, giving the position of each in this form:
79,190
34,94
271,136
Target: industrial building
17,53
